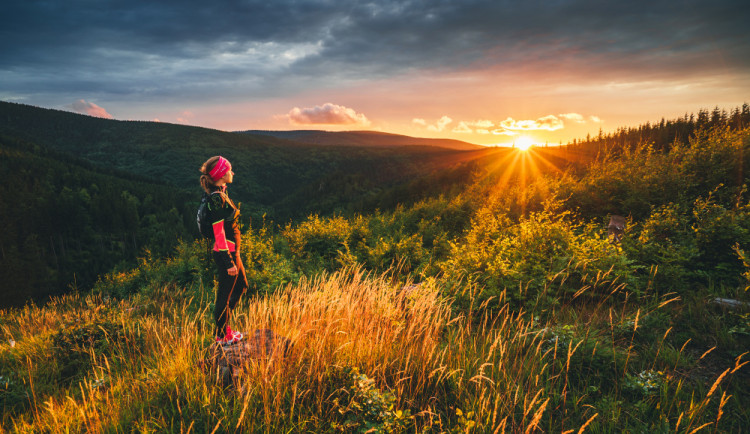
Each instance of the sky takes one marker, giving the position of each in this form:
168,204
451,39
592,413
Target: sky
484,71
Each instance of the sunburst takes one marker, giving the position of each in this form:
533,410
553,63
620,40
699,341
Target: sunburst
523,143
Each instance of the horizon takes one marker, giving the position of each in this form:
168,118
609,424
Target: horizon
484,73
523,142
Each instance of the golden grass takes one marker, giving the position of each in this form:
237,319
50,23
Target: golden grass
503,370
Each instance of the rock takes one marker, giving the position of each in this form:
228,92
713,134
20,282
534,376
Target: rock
730,303
225,363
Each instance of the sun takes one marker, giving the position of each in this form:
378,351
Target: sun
524,143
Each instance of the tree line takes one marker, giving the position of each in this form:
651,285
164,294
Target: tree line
664,134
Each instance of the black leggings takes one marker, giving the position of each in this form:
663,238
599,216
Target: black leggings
229,292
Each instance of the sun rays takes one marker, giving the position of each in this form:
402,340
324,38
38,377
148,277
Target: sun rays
520,172
524,143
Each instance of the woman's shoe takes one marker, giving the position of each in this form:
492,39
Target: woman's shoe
237,335
229,339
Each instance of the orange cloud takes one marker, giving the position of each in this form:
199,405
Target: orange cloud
575,117
508,127
327,114
463,128
549,123
438,126
441,124
91,109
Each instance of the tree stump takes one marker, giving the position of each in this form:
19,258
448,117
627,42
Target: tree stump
616,228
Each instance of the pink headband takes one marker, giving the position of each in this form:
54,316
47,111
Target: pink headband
220,169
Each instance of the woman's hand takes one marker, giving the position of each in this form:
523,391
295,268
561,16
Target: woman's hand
232,271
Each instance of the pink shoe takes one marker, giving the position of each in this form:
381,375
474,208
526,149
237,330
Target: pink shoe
237,335
229,339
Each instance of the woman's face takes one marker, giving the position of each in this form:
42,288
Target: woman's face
228,177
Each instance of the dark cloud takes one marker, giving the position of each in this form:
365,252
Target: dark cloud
258,48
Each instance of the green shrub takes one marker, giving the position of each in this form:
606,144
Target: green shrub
589,362
666,241
545,257
266,266
403,251
191,263
367,409
317,242
14,394
644,383
76,345
713,158
718,230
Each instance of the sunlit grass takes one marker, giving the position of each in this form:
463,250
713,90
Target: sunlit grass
471,370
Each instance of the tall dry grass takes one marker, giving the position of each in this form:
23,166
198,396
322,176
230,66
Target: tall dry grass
452,372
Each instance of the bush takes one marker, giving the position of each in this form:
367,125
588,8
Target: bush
75,346
14,395
317,242
190,264
266,268
366,408
666,241
544,257
404,251
718,230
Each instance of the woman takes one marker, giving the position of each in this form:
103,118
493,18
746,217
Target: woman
224,218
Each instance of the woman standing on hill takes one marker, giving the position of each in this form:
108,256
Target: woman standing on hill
223,216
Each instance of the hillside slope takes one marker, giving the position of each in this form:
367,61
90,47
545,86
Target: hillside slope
362,138
65,222
268,169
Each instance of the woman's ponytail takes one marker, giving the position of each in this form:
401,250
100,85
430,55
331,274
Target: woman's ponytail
205,179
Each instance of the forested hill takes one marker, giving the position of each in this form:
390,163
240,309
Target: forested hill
88,194
95,193
65,222
362,138
268,169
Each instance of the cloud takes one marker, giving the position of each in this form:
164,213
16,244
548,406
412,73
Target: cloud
575,117
327,114
185,117
89,108
463,128
437,126
549,123
155,51
483,123
479,126
595,119
509,126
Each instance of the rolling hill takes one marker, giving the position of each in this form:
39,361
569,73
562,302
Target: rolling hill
101,191
269,169
362,138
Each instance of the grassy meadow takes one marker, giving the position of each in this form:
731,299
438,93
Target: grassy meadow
502,308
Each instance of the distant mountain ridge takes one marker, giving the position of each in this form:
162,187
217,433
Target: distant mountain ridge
363,139
275,175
